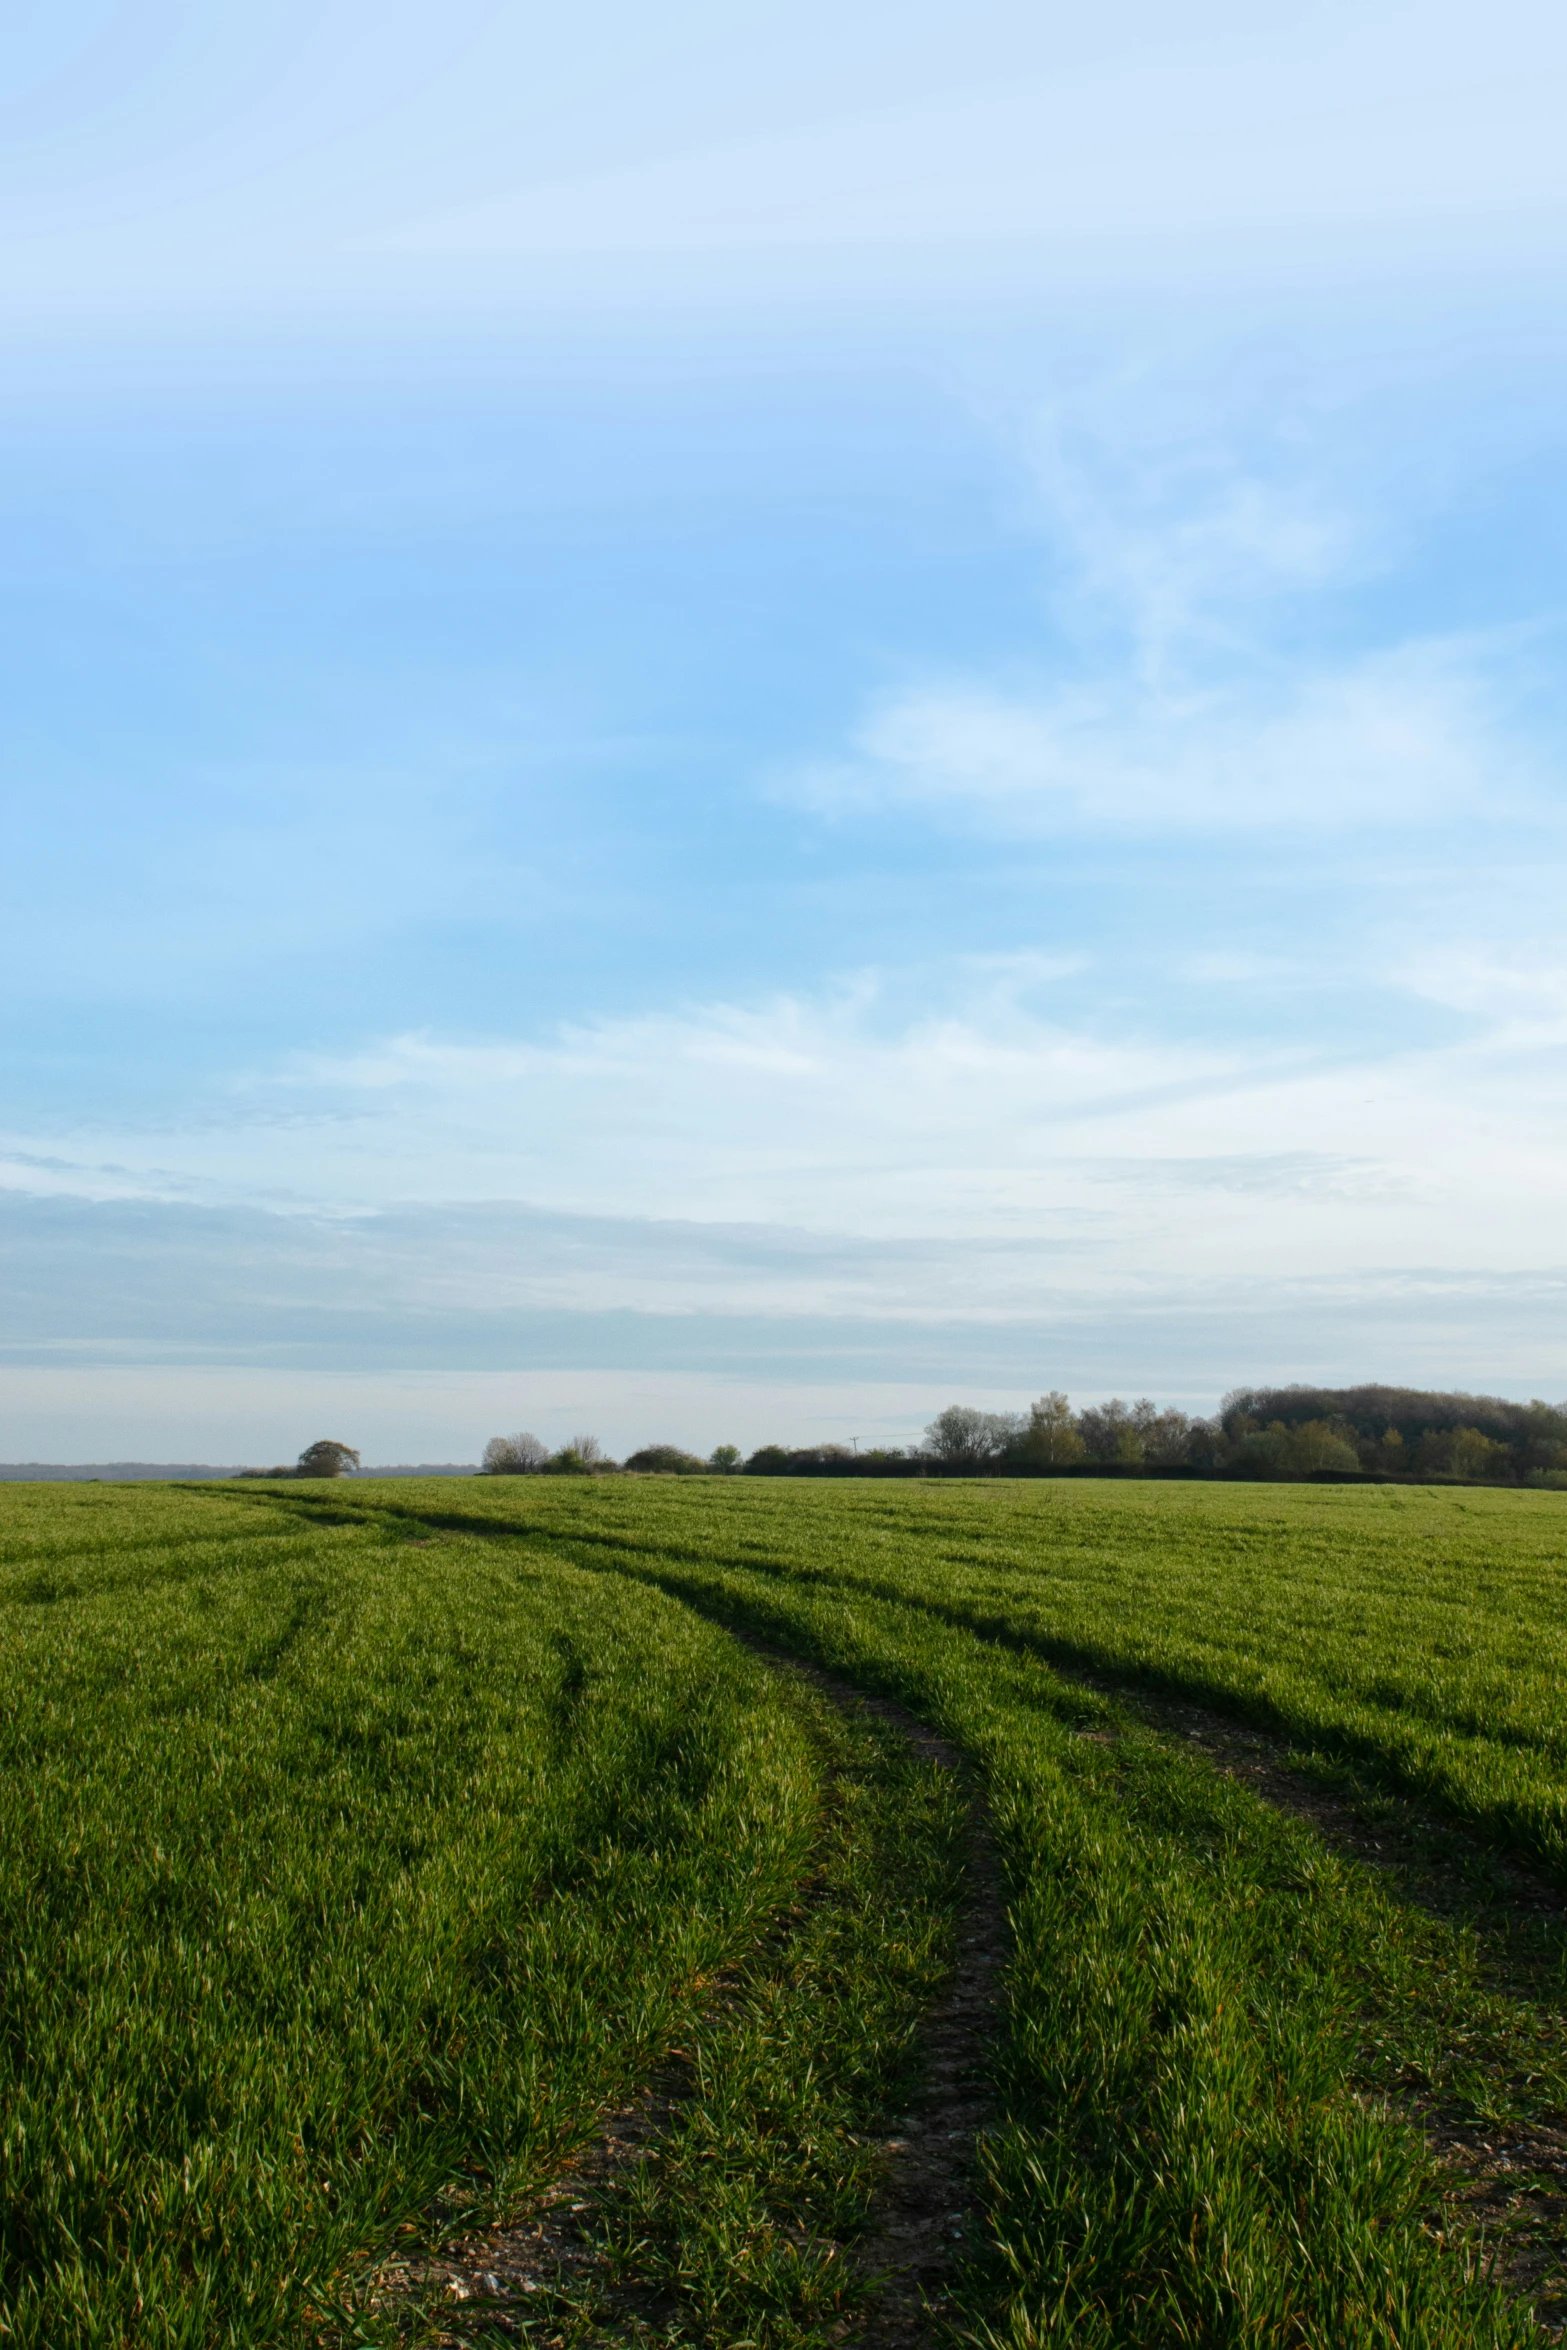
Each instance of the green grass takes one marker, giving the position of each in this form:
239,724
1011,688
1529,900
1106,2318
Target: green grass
738,2222
1419,1629
339,1873
1209,2008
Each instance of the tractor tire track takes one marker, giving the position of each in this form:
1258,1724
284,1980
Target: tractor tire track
924,2220
544,2272
1507,2182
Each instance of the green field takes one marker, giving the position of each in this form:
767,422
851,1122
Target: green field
363,1842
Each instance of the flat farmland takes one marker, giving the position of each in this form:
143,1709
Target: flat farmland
368,1847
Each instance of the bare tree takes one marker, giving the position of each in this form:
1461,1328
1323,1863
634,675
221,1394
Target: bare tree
588,1450
514,1456
1116,1431
963,1438
1167,1439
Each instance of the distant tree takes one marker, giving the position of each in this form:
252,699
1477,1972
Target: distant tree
327,1458
769,1460
568,1462
1317,1444
582,1457
1167,1439
1261,1452
1533,1434
835,1460
666,1460
1433,1453
1541,1437
1117,1431
725,1459
1205,1446
1050,1438
514,1456
1471,1454
1279,1451
969,1440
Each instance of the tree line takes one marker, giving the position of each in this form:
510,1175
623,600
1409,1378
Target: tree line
1348,1434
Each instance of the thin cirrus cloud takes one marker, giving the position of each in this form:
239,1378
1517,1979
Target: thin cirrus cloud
1411,736
1189,693
819,1188
985,1120
391,154
1519,1001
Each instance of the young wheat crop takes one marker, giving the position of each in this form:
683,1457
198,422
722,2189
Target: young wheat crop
361,1842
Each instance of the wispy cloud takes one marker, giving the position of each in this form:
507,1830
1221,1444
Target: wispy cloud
1183,685
1408,737
1516,1000
336,147
1181,519
1109,1157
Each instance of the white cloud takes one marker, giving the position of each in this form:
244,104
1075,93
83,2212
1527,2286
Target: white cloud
1399,739
978,1159
1182,685
1181,515
1191,563
820,1113
784,1195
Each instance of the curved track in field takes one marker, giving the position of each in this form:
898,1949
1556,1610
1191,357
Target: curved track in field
923,2212
1275,2019
921,2225
1508,2182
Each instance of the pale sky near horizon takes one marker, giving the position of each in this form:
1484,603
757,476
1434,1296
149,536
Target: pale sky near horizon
744,720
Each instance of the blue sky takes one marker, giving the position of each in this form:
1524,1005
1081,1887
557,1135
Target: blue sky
742,721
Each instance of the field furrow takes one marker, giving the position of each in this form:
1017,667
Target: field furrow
365,1845
730,2199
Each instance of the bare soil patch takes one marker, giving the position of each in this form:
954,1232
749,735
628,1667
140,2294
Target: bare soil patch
543,2271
